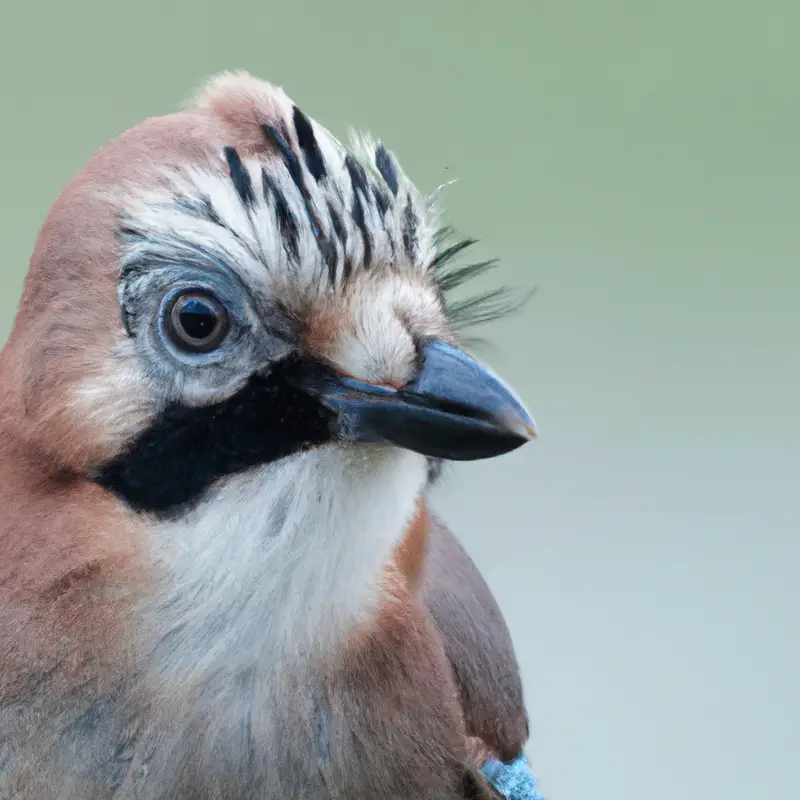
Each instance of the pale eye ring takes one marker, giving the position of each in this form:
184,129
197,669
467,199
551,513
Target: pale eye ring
196,321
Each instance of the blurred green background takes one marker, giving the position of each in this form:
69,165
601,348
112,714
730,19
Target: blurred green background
639,163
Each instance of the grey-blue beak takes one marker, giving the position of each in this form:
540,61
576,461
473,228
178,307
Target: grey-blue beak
453,409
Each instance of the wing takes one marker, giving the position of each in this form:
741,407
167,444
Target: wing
477,643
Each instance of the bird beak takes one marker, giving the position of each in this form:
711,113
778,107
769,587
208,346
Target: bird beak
453,409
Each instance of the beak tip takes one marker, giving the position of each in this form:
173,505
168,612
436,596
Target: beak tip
524,427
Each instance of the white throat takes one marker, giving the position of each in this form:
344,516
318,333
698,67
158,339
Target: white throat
279,563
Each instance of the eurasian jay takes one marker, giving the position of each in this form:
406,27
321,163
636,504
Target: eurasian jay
233,375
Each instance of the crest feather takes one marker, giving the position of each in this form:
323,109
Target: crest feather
245,104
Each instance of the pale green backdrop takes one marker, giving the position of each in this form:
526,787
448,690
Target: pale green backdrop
640,164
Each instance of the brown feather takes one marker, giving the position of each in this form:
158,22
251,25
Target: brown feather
410,554
478,645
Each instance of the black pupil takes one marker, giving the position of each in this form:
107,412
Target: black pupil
198,318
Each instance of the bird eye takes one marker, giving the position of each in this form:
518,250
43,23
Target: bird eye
197,322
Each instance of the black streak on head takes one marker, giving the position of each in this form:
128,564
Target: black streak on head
240,176
131,234
289,158
209,211
359,180
295,171
328,249
204,209
381,200
201,207
410,231
308,144
385,165
173,462
341,234
286,220
358,176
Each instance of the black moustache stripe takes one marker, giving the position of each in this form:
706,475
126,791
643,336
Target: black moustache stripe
168,467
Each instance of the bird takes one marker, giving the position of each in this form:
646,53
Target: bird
235,373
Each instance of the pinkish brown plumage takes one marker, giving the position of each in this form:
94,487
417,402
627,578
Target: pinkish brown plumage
232,370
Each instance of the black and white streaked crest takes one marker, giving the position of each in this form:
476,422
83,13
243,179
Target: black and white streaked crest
314,215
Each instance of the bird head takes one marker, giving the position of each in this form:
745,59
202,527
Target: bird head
227,287
237,326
